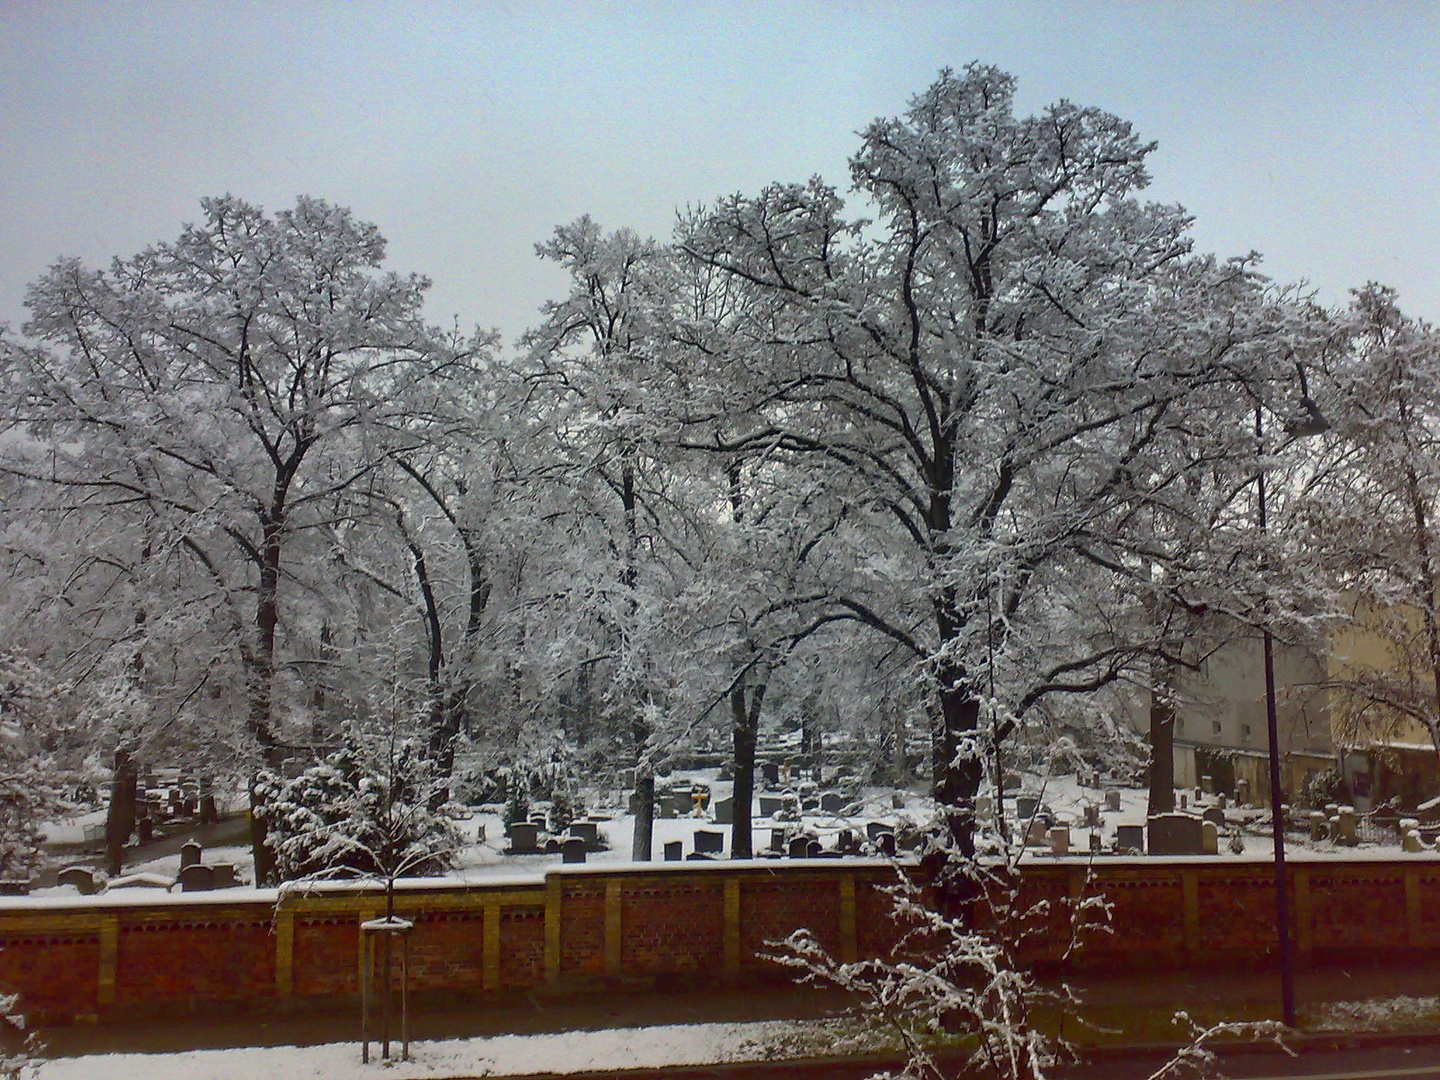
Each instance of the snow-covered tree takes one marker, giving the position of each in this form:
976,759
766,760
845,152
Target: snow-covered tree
983,372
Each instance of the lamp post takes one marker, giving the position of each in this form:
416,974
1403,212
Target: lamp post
1313,424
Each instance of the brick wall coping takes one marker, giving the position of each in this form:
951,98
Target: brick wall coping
720,866
1292,857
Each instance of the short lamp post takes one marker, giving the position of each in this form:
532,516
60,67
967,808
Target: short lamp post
1313,424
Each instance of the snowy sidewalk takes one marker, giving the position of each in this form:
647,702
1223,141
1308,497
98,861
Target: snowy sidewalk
494,1056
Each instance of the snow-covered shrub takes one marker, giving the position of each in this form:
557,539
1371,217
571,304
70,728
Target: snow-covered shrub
517,808
562,811
364,810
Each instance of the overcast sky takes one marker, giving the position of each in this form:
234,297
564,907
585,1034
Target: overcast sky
1307,131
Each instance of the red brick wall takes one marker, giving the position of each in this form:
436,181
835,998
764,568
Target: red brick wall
774,906
57,974
582,915
673,922
672,925
212,959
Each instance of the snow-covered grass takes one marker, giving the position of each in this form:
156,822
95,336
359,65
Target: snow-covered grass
500,1055
1402,1013
484,860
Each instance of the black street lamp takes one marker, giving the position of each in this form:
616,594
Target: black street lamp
1313,423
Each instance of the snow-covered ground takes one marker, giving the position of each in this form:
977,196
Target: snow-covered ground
500,1055
481,859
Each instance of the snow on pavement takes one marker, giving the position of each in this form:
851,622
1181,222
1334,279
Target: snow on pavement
501,1055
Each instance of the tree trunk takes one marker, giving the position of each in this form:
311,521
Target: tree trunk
120,818
642,845
1162,738
745,726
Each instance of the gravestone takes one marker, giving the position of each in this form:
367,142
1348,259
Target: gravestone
1112,801
1092,816
886,844
587,831
873,829
813,849
1184,801
1095,843
14,887
1174,834
1215,814
553,845
845,842
1037,833
1130,838
984,806
771,772
723,811
539,821
523,835
1207,785
897,801
1011,782
1025,806
1242,792
82,877
665,807
709,841
1319,827
573,850
809,802
800,847
1346,826
1060,840
1210,838
770,805
1220,800
778,839
225,875
1410,839
726,773
674,849
197,877
831,802
145,829
189,854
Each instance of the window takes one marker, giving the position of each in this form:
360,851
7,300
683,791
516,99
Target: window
1245,732
1215,727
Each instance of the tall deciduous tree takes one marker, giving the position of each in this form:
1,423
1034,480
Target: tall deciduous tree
983,371
238,384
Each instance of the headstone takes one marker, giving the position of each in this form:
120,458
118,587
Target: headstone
1215,814
1012,781
1242,792
82,877
197,877
1207,785
845,842
523,835
553,845
1332,809
771,772
800,847
208,812
1112,801
778,839
1174,834
189,854
886,844
539,821
665,807
1130,838
14,887
813,849
145,829
674,849
709,841
831,802
1025,806
770,805
1411,840
1319,827
1184,801
1346,826
1210,838
726,773
139,881
809,802
225,875
1037,833
1220,800
1095,842
873,829
984,806
1060,840
587,831
573,850
723,811
1092,816
897,800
